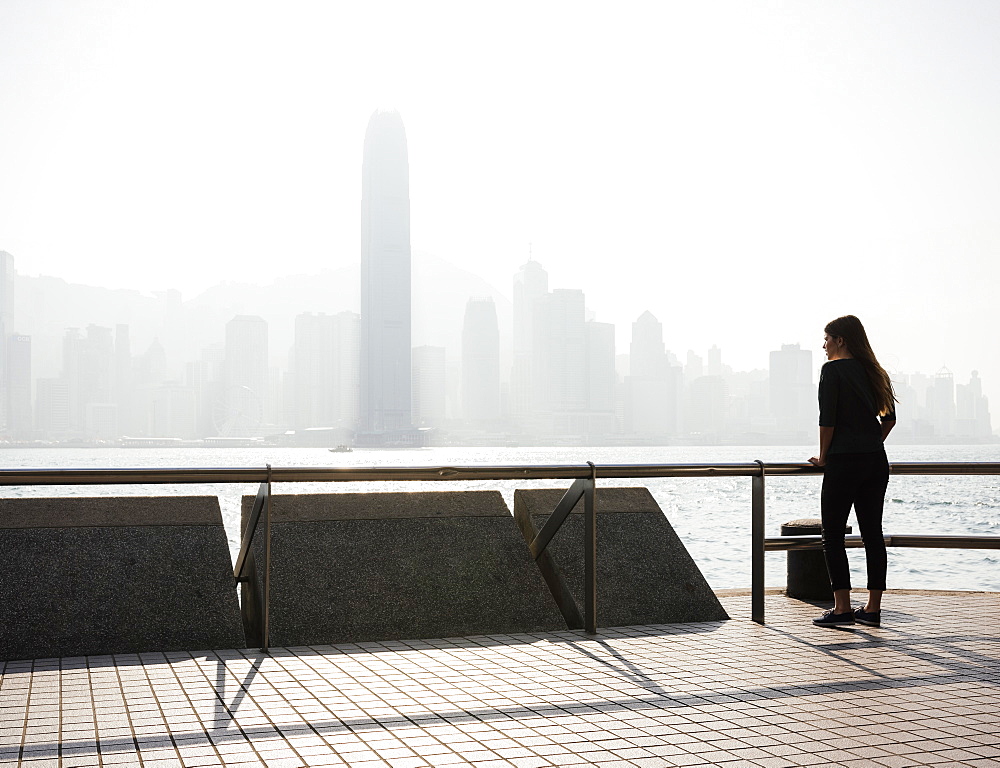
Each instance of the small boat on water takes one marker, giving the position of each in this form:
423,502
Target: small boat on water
341,449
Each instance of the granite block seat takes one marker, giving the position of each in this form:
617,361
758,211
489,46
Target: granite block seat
353,567
113,575
645,574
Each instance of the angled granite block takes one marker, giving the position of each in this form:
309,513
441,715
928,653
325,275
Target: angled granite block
645,575
90,576
351,567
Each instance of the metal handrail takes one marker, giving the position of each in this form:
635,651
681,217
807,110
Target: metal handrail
759,544
813,542
209,475
757,470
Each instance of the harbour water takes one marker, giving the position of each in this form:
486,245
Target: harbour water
712,515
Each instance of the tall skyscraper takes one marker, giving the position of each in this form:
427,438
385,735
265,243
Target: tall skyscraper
245,377
6,287
714,362
647,353
707,412
324,370
480,362
6,315
173,411
429,386
531,286
941,402
348,339
601,376
19,416
385,276
52,407
313,370
205,377
652,389
562,350
89,368
792,392
123,385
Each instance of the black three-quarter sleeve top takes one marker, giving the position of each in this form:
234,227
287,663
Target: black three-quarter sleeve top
847,403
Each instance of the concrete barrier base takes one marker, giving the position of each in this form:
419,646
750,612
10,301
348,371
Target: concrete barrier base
645,575
94,576
355,567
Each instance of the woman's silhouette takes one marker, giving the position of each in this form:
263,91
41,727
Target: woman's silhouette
856,413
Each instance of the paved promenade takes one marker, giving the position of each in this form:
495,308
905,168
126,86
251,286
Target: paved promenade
922,690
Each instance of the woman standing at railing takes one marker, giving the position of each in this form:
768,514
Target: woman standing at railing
856,413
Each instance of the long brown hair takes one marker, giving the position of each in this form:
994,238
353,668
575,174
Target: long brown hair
850,329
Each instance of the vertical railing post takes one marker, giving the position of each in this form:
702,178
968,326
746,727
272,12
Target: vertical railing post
590,556
757,546
267,564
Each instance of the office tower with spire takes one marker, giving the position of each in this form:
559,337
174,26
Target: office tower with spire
385,277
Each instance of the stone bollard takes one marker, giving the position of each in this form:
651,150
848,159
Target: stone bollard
807,575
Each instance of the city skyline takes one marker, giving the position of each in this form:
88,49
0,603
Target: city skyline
563,380
745,171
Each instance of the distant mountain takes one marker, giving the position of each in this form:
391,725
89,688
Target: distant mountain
46,306
440,292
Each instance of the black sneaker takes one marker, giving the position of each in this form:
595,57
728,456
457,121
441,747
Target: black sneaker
831,619
873,619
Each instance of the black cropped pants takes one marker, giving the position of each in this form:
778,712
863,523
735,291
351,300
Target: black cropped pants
857,479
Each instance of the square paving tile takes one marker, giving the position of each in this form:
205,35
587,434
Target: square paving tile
912,692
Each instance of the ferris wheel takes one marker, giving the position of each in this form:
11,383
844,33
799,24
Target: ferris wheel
239,412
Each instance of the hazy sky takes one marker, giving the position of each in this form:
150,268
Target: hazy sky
746,171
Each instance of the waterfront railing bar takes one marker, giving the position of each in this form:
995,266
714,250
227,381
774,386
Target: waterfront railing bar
429,473
588,474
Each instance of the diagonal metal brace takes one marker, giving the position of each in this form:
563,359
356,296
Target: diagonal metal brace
255,603
558,517
263,494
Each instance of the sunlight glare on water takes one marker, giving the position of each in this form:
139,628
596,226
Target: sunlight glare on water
711,515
